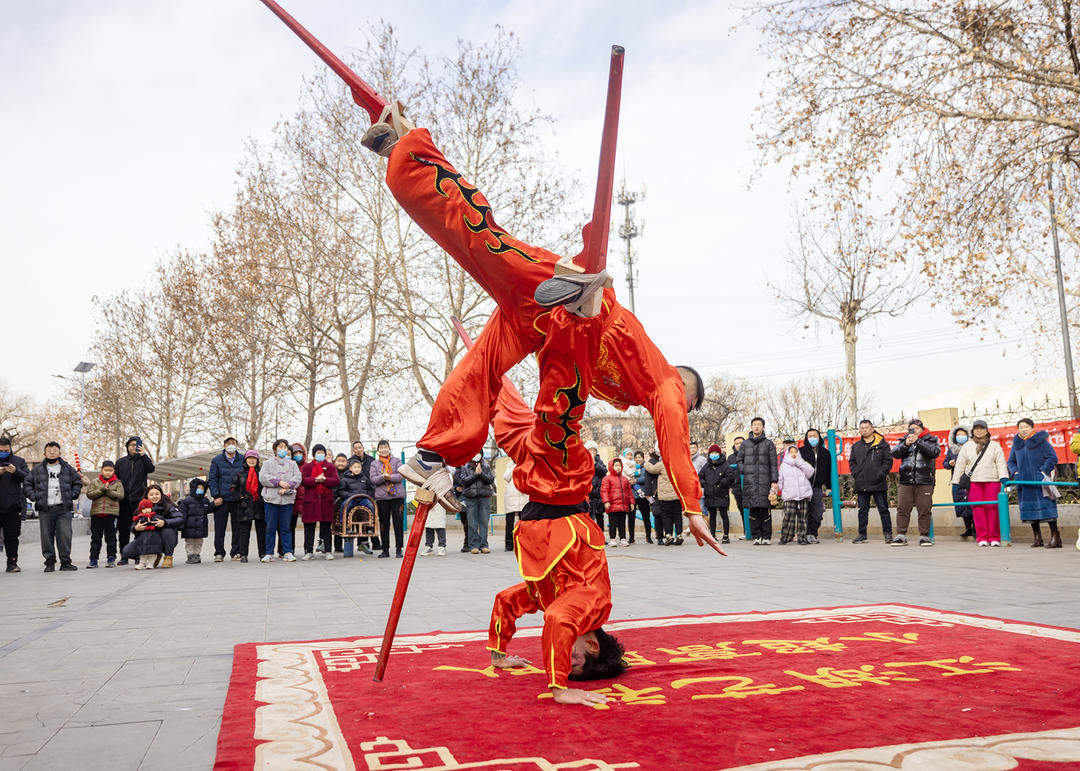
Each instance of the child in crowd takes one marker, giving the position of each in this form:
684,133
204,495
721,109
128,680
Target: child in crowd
341,463
249,509
794,483
435,527
105,492
145,526
195,509
353,482
618,501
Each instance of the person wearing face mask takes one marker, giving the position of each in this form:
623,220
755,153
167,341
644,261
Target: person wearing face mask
1033,459
226,500
389,497
54,486
195,510
13,472
814,452
298,453
715,478
280,479
958,437
476,479
319,478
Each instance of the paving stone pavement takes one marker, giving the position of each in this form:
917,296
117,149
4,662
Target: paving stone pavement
121,669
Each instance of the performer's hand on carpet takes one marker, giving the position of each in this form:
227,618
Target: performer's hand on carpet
502,661
577,696
700,531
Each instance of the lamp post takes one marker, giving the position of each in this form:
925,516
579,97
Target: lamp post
1070,377
81,369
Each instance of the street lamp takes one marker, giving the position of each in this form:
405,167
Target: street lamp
81,369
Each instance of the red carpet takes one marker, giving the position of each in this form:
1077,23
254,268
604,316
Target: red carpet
884,686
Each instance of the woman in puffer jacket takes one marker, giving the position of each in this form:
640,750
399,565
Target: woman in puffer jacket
618,500
793,479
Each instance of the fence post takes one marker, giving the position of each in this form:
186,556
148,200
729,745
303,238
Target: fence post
405,492
1003,516
834,482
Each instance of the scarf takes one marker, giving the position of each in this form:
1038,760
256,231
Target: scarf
980,443
391,488
108,481
252,484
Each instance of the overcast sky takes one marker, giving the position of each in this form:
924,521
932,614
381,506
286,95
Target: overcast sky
122,123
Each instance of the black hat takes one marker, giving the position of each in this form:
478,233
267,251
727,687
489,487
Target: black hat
980,424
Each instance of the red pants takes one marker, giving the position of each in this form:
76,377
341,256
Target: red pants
625,368
987,526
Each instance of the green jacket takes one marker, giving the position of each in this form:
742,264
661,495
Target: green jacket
104,498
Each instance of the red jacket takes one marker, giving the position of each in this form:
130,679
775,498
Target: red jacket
318,496
615,490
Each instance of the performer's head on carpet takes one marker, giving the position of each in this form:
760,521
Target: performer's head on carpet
596,655
693,385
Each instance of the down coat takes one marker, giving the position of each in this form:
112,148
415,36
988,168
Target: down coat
917,461
195,509
758,464
1029,460
615,490
794,478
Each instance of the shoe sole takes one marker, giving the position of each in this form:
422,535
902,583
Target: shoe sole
446,500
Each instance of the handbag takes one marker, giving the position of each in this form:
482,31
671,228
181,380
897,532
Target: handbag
964,482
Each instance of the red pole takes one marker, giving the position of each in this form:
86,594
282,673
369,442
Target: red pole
593,256
416,532
363,94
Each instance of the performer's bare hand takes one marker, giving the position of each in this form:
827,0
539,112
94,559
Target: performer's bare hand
502,661
700,531
577,696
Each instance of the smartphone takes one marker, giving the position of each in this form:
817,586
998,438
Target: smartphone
138,443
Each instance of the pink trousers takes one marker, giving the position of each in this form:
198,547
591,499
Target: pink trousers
987,527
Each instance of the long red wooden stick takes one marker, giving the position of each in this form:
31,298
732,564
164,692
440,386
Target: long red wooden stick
363,94
416,532
593,257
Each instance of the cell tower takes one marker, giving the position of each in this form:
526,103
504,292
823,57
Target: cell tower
628,231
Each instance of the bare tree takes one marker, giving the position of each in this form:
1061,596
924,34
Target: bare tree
809,402
729,402
846,272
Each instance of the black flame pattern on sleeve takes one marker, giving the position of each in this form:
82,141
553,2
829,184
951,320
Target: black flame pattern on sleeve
475,201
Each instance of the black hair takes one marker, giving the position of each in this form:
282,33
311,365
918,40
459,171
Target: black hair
738,438
316,448
758,418
278,442
639,452
165,498
57,444
606,663
867,421
1029,421
5,441
228,439
107,462
382,442
699,385
341,455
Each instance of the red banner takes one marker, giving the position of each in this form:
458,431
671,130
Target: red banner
1061,433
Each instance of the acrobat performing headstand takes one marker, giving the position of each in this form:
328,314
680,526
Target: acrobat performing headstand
565,312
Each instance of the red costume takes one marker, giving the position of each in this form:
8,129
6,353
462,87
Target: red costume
623,367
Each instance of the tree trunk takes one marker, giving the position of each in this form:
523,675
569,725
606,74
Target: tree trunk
850,339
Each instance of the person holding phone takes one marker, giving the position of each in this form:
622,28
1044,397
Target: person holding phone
917,452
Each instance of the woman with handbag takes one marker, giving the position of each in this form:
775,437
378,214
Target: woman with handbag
980,469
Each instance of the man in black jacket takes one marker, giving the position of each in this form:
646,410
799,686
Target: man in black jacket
870,462
54,486
475,479
13,472
600,470
917,452
759,467
814,452
131,470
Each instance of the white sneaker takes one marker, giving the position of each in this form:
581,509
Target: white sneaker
266,558
329,555
427,551
288,557
442,551
984,543
766,542
623,542
995,543
306,557
612,542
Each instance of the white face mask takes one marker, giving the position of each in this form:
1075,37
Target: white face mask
477,458
231,449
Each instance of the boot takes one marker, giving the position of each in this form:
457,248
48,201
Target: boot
1055,541
167,562
1038,540
157,560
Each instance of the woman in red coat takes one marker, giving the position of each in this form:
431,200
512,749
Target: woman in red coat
618,500
320,477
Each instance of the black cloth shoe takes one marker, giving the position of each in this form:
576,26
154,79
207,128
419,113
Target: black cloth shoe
243,559
648,540
13,567
50,567
383,555
67,567
860,538
725,539
398,554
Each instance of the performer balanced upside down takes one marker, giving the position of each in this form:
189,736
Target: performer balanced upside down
624,368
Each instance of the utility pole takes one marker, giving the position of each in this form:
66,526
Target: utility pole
1070,377
628,231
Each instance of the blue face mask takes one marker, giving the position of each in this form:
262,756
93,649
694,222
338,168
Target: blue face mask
961,439
714,456
283,453
320,456
200,491
298,457
813,441
5,454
